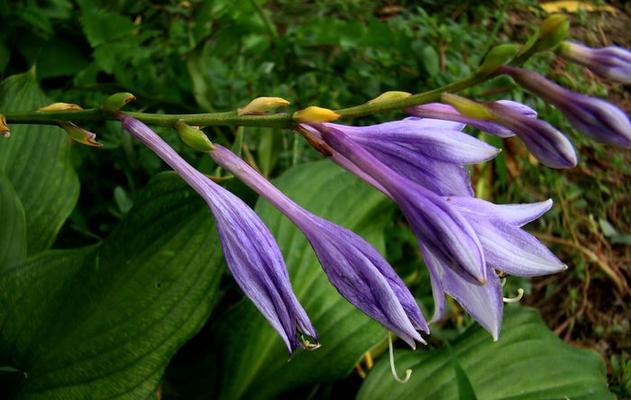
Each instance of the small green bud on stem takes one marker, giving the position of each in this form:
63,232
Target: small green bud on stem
193,137
116,101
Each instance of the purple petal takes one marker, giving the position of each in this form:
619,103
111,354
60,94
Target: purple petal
483,302
410,137
510,249
515,214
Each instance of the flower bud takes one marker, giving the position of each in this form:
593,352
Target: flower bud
552,32
466,107
609,62
60,107
593,117
388,96
80,135
4,128
498,56
116,101
193,137
262,104
314,115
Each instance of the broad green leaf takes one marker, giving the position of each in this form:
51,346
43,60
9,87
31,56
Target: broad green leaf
36,159
13,226
103,322
254,360
528,363
102,26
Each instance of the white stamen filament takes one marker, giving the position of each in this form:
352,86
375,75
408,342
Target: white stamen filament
520,294
408,372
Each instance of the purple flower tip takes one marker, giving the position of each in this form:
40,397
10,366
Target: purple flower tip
609,62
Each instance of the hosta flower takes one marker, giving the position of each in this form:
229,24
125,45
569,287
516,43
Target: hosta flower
507,248
594,117
251,253
447,112
435,223
356,269
544,141
430,152
611,62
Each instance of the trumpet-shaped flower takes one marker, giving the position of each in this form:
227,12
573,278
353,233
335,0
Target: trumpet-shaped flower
356,269
594,117
507,248
435,223
251,253
447,112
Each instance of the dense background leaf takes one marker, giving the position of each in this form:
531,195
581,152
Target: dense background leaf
13,226
254,361
528,362
102,322
36,159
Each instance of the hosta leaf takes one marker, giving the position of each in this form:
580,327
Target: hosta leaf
254,360
13,226
36,160
102,322
528,363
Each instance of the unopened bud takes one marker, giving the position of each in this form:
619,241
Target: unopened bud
116,101
553,31
261,105
314,114
80,135
60,107
391,95
4,128
498,56
193,137
466,107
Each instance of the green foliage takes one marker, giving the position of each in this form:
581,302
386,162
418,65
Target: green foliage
103,321
528,362
37,163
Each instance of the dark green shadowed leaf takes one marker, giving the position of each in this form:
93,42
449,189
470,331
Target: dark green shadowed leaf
12,225
103,322
528,363
36,160
255,362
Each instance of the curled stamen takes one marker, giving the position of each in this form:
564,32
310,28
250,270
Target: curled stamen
408,372
520,294
503,281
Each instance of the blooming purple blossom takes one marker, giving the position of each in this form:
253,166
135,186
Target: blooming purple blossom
430,152
610,62
357,270
439,227
449,113
251,253
507,248
594,117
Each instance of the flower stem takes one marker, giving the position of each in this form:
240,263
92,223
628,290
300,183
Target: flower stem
231,118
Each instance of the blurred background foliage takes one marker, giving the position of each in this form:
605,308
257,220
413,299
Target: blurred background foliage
205,55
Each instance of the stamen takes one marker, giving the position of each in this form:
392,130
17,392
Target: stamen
408,372
503,282
520,294
308,342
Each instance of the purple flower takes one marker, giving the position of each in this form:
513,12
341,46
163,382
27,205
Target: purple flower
439,227
544,141
594,117
507,248
251,253
609,62
429,152
356,269
449,113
